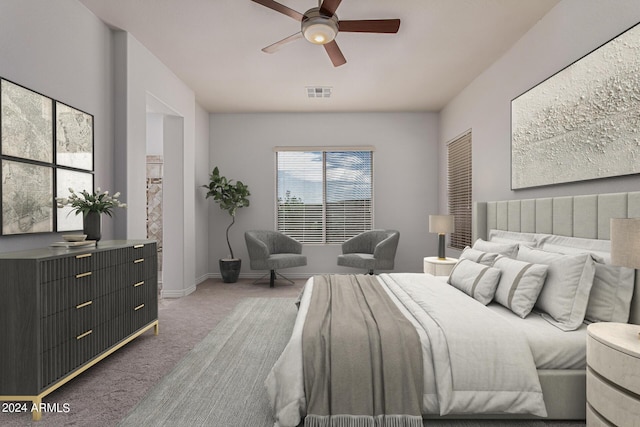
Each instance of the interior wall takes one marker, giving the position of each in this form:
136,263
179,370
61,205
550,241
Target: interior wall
155,136
63,51
569,31
139,76
201,206
405,177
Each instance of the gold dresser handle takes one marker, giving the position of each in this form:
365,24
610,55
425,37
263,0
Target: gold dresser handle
89,332
81,275
138,246
84,304
83,256
138,307
135,285
138,261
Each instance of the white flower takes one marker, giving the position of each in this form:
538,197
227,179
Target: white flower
115,196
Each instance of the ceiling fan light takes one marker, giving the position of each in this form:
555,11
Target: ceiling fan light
319,33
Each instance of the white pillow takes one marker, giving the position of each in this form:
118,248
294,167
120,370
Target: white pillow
504,236
506,249
566,291
484,258
610,298
476,280
612,290
600,249
520,284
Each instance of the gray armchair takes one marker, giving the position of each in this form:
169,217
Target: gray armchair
272,250
371,250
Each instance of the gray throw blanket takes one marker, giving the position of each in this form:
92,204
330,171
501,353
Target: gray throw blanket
362,359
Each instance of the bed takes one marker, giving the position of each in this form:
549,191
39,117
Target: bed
551,372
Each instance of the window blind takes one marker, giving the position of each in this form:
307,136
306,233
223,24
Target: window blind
459,162
324,196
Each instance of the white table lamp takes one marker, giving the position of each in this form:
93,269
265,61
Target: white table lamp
441,224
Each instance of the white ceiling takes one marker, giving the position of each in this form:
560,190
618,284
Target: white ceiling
214,47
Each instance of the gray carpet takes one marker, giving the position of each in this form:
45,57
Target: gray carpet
221,381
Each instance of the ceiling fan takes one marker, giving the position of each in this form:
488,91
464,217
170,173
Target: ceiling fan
320,25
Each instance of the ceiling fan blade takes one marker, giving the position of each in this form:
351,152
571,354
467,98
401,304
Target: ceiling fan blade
277,45
370,26
335,54
328,7
280,8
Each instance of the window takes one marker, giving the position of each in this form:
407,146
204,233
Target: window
459,186
324,195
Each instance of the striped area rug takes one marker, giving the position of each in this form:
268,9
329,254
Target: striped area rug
221,381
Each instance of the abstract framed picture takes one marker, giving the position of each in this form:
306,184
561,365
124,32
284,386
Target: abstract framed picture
583,122
67,220
74,137
27,198
27,123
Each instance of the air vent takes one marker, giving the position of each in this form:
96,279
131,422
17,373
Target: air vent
319,91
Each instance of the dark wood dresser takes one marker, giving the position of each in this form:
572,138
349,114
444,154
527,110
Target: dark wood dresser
63,310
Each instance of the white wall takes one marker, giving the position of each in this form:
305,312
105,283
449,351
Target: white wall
63,51
405,177
155,135
201,206
568,32
138,76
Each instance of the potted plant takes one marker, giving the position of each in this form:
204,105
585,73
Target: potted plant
91,206
230,197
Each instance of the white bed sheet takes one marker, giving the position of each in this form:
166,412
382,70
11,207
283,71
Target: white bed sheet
481,384
551,347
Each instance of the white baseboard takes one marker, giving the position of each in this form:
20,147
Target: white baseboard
177,293
203,278
266,275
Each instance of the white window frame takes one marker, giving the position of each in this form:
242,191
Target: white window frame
323,150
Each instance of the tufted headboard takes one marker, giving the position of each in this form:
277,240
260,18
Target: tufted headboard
575,216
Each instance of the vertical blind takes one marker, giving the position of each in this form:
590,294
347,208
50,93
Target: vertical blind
324,196
459,188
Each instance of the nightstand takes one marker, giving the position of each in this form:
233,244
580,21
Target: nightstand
438,266
613,374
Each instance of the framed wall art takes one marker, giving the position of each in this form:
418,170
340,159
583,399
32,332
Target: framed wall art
46,148
74,137
27,194
583,122
65,179
27,123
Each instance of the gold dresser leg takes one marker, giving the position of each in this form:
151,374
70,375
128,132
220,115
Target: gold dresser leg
37,414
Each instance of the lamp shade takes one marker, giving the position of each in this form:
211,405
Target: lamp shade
625,242
441,224
319,33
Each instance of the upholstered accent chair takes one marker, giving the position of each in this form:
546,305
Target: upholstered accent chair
371,250
272,250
